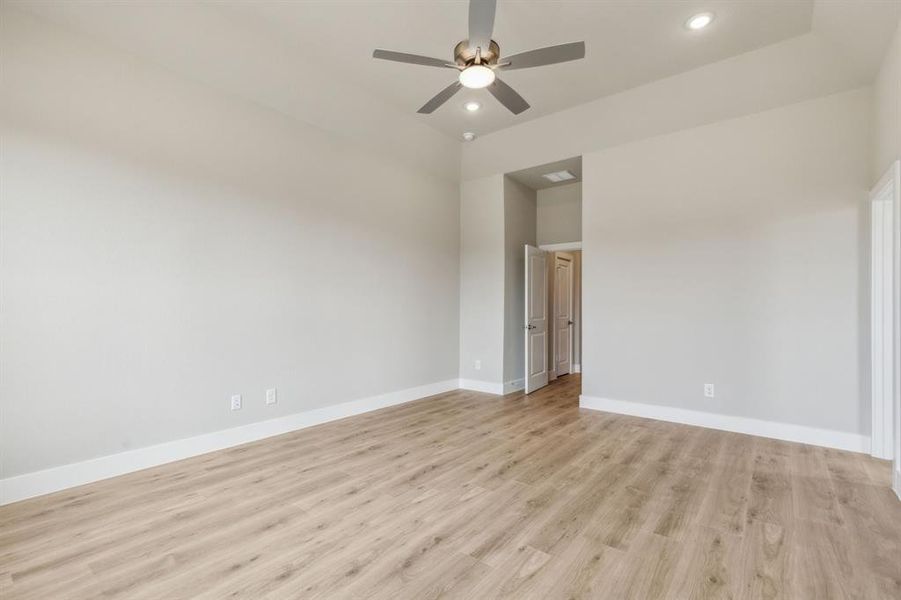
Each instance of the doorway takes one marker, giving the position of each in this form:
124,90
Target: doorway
552,313
565,351
542,238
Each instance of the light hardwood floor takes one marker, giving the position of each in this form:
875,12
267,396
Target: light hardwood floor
466,495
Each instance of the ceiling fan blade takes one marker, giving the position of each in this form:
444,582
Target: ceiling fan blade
544,56
440,98
413,59
507,96
481,23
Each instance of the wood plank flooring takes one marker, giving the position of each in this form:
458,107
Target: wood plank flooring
466,495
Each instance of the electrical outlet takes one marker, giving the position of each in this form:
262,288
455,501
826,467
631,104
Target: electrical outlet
271,396
709,390
478,365
236,402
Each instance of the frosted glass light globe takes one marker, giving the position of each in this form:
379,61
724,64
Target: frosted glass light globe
476,76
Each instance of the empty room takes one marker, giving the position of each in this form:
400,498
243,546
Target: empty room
470,299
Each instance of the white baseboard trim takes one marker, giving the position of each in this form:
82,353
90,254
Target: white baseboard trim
769,429
489,387
896,483
577,368
38,483
514,386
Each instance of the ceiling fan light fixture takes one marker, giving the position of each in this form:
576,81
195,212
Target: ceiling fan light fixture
476,77
699,21
477,57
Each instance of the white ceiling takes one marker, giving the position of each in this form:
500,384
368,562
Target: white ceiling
628,43
312,58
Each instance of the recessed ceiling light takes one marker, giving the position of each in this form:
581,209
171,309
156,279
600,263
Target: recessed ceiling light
559,176
469,136
699,21
472,106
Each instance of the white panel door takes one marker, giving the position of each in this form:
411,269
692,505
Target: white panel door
563,313
536,326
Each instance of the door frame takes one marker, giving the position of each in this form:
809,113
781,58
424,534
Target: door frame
557,255
563,247
885,205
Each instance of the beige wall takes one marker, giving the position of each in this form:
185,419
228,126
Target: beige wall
559,214
165,245
887,109
733,254
482,279
519,230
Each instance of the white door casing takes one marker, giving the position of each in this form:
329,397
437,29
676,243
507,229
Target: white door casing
883,311
563,312
894,174
551,360
536,321
881,318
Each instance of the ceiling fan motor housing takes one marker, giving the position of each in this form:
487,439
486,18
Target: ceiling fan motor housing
466,56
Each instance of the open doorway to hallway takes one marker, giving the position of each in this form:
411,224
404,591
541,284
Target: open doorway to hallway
543,231
553,307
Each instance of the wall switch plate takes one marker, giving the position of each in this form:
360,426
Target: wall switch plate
478,365
271,396
236,402
709,390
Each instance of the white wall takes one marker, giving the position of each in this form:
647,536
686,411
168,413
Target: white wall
482,280
165,246
559,211
887,109
519,230
732,254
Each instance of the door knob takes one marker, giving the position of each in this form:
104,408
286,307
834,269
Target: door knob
569,322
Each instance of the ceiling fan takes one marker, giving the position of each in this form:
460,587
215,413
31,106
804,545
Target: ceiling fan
478,59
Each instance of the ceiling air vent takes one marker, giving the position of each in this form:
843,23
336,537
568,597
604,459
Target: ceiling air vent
559,176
